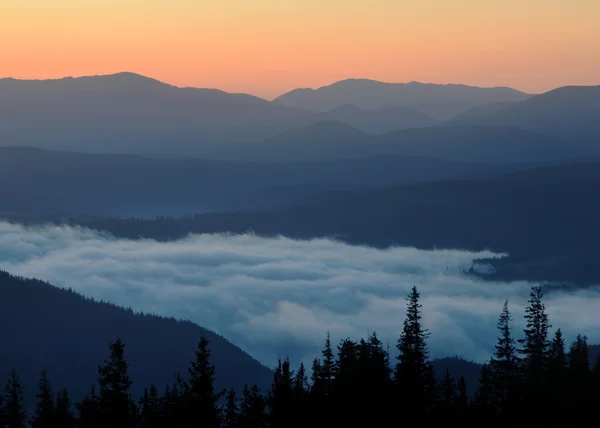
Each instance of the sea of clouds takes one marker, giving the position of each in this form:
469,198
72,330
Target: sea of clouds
278,297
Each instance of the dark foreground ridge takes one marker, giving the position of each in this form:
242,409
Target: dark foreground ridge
534,379
66,334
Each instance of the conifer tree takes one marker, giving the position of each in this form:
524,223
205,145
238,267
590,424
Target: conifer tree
536,347
89,411
462,397
300,394
115,402
252,411
15,415
414,373
45,411
231,411
173,404
557,373
328,366
201,398
281,397
484,402
448,396
150,412
64,413
579,374
504,365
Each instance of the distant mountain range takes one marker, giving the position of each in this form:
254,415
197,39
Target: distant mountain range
438,101
132,114
336,140
571,112
546,219
41,181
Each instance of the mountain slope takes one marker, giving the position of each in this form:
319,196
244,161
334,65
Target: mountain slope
335,140
438,101
571,112
129,113
545,220
38,181
68,335
381,120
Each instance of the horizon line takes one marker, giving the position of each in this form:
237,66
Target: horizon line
83,76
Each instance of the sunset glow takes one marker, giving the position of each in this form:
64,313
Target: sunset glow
267,47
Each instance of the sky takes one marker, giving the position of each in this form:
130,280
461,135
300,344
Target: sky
278,297
267,47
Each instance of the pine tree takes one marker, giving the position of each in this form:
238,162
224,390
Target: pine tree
150,412
252,411
448,396
579,375
504,366
231,411
462,397
281,397
45,412
15,415
173,404
414,373
201,397
484,403
116,404
557,373
300,394
64,414
328,366
89,411
536,348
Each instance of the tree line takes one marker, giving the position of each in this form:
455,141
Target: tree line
532,378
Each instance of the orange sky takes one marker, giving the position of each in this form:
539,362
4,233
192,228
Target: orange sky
267,47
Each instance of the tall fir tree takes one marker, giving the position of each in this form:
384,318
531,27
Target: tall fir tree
484,402
115,402
535,347
252,409
45,410
504,366
15,415
201,397
579,375
300,393
231,410
448,396
557,374
150,410
328,366
414,374
462,398
89,411
64,414
281,396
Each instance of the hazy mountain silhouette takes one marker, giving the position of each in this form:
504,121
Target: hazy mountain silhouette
36,180
68,335
381,120
481,111
571,112
334,140
129,113
536,216
439,101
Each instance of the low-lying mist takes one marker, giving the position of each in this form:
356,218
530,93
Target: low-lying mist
279,297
